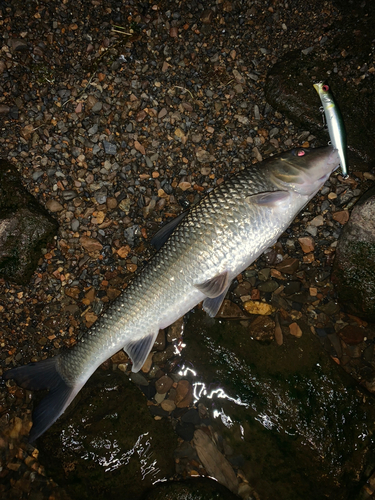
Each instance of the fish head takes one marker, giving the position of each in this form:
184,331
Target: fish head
304,171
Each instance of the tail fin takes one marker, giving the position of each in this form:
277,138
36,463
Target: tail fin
44,375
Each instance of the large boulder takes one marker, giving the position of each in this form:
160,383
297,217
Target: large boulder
346,63
354,267
25,227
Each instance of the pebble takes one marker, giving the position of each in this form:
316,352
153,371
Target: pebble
54,206
163,384
263,328
184,394
288,266
168,405
307,244
256,307
295,330
352,335
342,216
90,244
109,148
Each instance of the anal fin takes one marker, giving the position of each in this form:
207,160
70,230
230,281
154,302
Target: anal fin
140,349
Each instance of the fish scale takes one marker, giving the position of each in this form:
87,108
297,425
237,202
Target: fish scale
215,241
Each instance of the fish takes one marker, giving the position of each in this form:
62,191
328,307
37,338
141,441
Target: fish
335,124
199,255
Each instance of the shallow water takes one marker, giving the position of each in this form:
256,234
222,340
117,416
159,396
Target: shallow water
298,424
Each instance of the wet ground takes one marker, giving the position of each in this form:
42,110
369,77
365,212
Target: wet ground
118,117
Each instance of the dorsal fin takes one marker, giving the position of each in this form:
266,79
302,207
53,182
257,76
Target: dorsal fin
164,233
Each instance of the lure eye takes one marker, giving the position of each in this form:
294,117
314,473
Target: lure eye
298,152
325,88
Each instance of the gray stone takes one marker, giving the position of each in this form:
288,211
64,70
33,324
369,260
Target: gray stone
109,148
25,227
354,266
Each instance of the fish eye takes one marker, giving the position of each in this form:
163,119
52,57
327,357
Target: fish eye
325,88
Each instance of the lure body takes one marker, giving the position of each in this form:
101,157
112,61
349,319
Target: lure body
335,124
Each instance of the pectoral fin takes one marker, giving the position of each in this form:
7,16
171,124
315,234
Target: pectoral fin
215,286
164,233
140,349
269,198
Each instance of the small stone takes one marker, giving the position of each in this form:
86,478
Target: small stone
73,292
111,203
263,328
342,217
54,206
175,330
168,405
4,109
230,310
123,252
138,146
148,363
288,266
184,394
268,286
352,335
120,357
207,16
109,148
317,221
256,307
307,244
184,185
163,384
90,244
97,107
295,330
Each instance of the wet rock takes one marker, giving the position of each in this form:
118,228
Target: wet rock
175,330
268,286
288,266
354,269
257,307
192,489
185,430
184,394
263,328
342,216
25,227
352,335
115,435
163,384
230,310
214,462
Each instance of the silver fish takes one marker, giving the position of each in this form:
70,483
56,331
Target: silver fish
335,123
201,252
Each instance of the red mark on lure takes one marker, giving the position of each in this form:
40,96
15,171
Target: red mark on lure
325,88
301,152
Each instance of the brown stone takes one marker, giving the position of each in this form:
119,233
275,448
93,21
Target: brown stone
295,330
263,328
307,244
90,244
230,310
72,292
184,394
163,385
288,266
342,217
120,357
352,334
